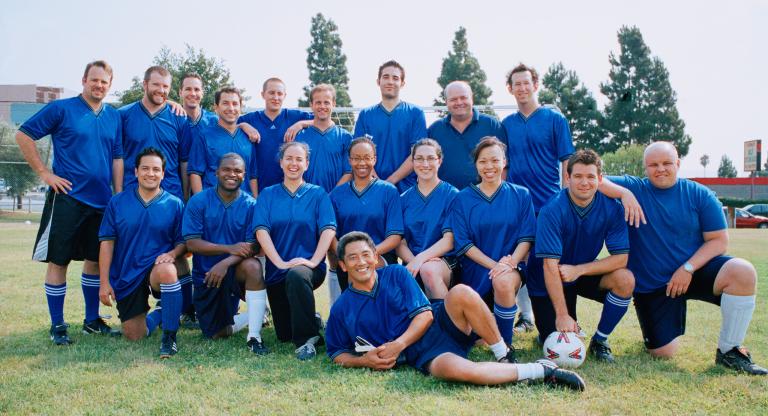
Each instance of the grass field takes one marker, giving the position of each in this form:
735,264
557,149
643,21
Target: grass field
99,375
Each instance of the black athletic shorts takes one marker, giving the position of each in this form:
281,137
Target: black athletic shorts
216,306
69,230
137,302
662,318
585,286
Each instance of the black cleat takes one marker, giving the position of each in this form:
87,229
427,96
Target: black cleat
257,346
98,326
601,351
189,321
739,359
168,345
523,325
510,358
59,334
556,376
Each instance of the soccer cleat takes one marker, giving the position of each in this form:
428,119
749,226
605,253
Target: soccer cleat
257,346
189,321
98,326
739,359
556,376
267,318
59,334
306,352
510,358
601,351
523,325
168,345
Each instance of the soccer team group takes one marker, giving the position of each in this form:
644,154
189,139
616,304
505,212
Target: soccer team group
272,203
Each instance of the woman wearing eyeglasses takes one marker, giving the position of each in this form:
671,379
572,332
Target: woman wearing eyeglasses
428,241
368,204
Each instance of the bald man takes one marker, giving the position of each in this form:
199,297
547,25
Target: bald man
680,255
459,132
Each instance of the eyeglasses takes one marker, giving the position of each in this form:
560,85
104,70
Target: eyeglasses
429,159
357,159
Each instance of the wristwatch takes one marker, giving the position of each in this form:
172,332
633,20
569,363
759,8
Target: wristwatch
688,267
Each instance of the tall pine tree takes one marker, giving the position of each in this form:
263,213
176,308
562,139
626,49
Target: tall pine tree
562,88
642,104
726,168
460,64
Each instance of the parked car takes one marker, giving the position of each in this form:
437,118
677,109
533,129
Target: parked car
745,219
757,209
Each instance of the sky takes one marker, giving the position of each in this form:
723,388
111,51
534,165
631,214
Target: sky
715,53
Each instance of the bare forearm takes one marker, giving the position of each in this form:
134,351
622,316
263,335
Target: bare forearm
349,360
480,258
195,183
521,251
715,244
603,266
200,246
389,244
404,252
404,170
117,175
263,237
441,246
184,179
554,286
326,237
254,184
416,329
106,249
30,153
179,250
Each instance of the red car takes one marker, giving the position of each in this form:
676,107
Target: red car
745,219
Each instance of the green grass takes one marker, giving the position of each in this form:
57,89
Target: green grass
100,375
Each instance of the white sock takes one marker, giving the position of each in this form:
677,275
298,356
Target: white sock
737,313
334,290
499,350
532,371
257,307
241,321
524,303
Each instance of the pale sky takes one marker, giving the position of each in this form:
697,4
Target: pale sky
712,50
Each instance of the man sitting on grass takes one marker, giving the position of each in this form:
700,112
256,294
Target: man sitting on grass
385,312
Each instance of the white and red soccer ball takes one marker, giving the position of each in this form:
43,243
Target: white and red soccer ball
566,349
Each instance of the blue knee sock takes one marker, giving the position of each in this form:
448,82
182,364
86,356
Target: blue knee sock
171,296
90,284
505,320
55,296
186,293
154,318
614,309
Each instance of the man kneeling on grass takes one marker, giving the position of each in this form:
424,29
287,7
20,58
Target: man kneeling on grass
385,313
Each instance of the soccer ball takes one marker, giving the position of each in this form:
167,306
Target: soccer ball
565,349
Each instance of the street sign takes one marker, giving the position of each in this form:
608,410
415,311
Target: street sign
752,162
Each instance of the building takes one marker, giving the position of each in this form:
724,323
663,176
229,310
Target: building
20,102
738,188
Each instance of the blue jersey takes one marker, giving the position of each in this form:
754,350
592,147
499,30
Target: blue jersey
214,142
141,232
575,235
375,210
458,167
495,225
272,136
294,221
426,216
195,127
162,130
676,217
394,133
537,145
329,155
208,218
84,144
378,316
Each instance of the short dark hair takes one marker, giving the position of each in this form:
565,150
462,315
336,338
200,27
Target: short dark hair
485,142
585,157
191,75
155,68
322,87
521,67
149,151
227,90
285,146
352,237
273,79
362,139
228,156
427,142
101,64
395,64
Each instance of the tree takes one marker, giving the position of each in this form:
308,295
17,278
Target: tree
563,89
627,160
327,64
461,65
19,177
642,104
704,160
726,169
215,75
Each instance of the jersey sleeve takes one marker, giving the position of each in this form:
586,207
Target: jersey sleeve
527,218
419,126
196,154
185,139
346,141
500,132
253,168
117,144
458,224
178,218
261,220
44,122
711,215
394,213
617,238
107,230
445,216
338,339
360,125
549,240
194,216
249,235
413,298
326,218
563,138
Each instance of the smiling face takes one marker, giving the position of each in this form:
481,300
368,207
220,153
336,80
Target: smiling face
96,84
191,92
228,108
322,105
362,158
230,174
359,262
523,88
157,87
390,82
458,98
490,163
661,164
426,162
273,96
294,162
149,173
583,182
